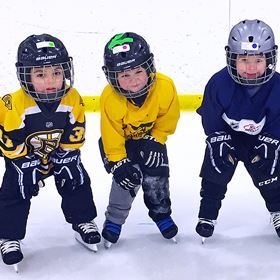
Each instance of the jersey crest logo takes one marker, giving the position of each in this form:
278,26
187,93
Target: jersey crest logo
8,101
138,132
44,142
245,125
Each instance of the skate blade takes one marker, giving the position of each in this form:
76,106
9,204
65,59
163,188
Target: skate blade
174,239
91,247
203,240
107,244
15,266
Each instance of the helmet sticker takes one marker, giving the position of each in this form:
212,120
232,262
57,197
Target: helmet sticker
118,41
45,44
122,48
249,46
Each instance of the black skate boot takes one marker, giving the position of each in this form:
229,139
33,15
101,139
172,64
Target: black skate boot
167,228
11,252
275,220
111,233
205,228
87,234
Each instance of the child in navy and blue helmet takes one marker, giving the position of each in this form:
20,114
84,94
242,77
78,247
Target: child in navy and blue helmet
241,118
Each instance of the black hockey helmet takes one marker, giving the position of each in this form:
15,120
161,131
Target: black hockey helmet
126,51
40,51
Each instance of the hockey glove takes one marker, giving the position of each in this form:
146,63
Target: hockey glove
153,152
30,173
126,175
67,166
265,154
221,151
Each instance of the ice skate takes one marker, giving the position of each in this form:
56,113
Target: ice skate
168,228
111,233
275,221
205,228
11,252
87,234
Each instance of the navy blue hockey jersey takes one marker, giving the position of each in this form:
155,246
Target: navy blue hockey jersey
228,106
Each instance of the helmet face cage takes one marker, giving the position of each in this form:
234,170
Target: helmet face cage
251,39
24,77
44,52
271,60
148,66
123,53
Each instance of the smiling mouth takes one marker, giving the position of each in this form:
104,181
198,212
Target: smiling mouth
135,88
251,76
51,90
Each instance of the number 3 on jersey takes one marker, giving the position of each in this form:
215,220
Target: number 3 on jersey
79,134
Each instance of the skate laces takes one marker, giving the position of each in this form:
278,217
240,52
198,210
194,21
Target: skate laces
275,219
207,221
88,227
8,246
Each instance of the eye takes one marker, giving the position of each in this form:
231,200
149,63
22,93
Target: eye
140,71
125,75
58,73
260,60
39,75
242,59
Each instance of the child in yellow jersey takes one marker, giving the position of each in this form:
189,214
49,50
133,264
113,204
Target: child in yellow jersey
139,109
42,130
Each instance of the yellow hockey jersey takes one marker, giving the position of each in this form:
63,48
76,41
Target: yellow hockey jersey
27,126
121,120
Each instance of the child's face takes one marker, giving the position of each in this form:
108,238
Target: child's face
47,79
133,80
250,66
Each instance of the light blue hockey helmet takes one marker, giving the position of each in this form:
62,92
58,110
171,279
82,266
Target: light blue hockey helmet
251,37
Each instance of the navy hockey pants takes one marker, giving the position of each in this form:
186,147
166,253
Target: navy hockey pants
155,188
77,205
214,185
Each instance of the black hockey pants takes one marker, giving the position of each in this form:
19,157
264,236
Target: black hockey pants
214,185
77,205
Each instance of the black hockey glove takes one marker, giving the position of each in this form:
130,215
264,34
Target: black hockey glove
265,154
30,172
153,152
126,175
221,151
67,166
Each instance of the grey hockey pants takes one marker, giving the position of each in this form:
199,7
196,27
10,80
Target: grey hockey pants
156,198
